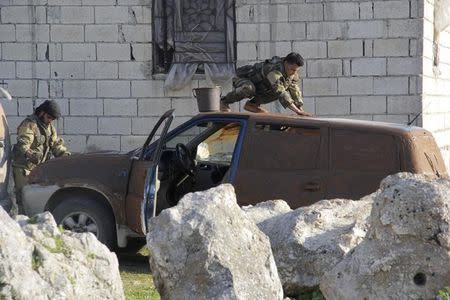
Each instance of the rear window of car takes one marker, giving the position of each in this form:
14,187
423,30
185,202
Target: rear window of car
363,151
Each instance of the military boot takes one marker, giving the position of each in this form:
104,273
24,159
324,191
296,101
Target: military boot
224,107
254,108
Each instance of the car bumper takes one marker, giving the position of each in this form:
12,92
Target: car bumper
35,197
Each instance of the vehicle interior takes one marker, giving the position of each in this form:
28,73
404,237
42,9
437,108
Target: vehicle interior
196,159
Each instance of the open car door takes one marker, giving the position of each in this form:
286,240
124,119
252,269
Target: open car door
148,206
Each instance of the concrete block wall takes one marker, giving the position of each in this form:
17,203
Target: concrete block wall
362,57
363,61
436,83
94,57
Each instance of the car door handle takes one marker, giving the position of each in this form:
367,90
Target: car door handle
312,186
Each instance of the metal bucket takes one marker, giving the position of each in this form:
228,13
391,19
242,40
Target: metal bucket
208,99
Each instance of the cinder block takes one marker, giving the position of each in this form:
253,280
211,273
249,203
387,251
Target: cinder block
368,66
75,143
7,33
7,70
246,51
153,106
25,106
332,105
341,11
86,107
21,88
113,88
114,125
185,107
391,9
131,142
391,47
144,125
262,13
350,48
404,104
367,29
319,86
404,28
120,107
327,30
17,51
66,33
55,88
54,14
252,32
366,10
143,14
147,88
80,125
311,49
306,12
79,52
135,70
101,70
49,52
355,86
15,14
103,142
32,33
33,70
64,2
398,119
368,48
111,14
113,52
282,48
390,85
77,14
102,33
404,66
141,52
67,70
79,89
368,105
324,68
288,31
137,33
98,2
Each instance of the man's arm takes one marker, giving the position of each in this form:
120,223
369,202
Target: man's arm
57,145
299,111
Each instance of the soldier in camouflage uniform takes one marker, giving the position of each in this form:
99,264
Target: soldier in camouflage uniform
265,82
36,142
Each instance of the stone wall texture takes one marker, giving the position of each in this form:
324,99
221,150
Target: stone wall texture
364,60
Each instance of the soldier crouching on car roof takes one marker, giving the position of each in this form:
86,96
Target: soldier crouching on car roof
265,82
37,140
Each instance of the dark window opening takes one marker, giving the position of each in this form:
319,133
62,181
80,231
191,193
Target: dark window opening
200,32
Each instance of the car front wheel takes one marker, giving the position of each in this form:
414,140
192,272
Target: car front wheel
86,215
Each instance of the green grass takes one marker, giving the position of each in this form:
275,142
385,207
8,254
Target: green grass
138,285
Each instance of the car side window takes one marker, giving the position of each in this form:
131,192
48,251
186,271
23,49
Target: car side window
363,151
212,141
285,147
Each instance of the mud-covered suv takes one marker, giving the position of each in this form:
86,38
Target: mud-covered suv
265,156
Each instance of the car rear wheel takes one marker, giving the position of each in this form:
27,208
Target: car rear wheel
84,214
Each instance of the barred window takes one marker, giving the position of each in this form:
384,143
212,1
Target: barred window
196,36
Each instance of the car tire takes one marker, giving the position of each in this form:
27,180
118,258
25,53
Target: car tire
85,214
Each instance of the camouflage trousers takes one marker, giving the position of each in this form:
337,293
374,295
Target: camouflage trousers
244,88
20,180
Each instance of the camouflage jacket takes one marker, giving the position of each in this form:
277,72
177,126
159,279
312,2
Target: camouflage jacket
34,135
272,82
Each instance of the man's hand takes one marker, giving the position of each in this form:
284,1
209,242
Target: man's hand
298,111
304,113
34,157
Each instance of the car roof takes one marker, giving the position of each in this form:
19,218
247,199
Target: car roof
341,123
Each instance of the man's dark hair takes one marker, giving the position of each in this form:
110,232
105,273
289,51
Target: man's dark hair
294,58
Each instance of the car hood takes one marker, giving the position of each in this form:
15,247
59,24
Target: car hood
105,168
